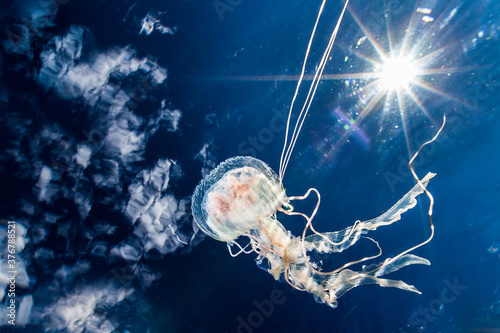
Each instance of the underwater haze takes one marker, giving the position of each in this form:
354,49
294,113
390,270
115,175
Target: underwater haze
112,112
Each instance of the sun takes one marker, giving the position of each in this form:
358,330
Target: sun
402,72
398,73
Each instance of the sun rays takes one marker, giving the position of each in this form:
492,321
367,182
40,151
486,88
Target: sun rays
396,67
400,76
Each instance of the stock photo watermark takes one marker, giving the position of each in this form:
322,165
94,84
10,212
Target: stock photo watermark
11,273
425,315
125,275
263,309
266,135
404,171
223,6
140,91
486,87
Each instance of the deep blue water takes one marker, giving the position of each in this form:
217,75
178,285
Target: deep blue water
105,129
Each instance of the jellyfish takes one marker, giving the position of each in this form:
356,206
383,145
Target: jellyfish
241,197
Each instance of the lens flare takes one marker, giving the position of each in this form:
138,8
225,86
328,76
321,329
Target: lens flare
397,73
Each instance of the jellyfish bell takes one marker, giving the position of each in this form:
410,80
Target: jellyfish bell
241,197
230,200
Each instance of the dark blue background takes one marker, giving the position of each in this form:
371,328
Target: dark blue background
206,290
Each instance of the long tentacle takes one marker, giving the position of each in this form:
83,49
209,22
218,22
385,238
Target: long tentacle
288,146
429,195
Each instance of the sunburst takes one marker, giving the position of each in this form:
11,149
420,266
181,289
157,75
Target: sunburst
398,76
398,73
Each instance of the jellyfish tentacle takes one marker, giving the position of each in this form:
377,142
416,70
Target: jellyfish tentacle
175,234
345,279
309,218
258,246
362,259
273,236
299,83
305,196
394,264
424,188
286,207
339,241
285,156
431,198
309,225
242,249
